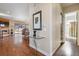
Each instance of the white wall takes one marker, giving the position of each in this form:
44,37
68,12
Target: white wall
56,26
43,45
51,21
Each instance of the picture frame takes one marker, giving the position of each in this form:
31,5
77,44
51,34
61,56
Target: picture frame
37,20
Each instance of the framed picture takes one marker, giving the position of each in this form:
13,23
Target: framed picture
37,21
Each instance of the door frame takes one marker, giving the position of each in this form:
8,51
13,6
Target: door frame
77,28
63,28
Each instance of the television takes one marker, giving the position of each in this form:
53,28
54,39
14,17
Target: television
4,24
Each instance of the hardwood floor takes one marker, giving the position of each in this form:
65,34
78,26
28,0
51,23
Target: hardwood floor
69,48
10,47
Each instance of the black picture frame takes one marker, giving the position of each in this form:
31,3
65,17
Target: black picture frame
37,18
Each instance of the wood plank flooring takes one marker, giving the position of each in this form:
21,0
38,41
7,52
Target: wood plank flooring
9,47
69,48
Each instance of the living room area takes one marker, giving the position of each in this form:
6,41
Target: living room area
9,27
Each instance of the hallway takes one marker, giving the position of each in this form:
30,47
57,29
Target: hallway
11,47
69,48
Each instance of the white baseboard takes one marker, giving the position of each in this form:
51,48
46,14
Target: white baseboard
41,51
44,52
55,49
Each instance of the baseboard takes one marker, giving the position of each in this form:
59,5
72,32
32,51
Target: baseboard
41,51
44,52
55,49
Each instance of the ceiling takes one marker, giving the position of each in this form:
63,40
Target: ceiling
20,11
67,4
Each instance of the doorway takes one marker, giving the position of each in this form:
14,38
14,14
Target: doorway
69,35
70,27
